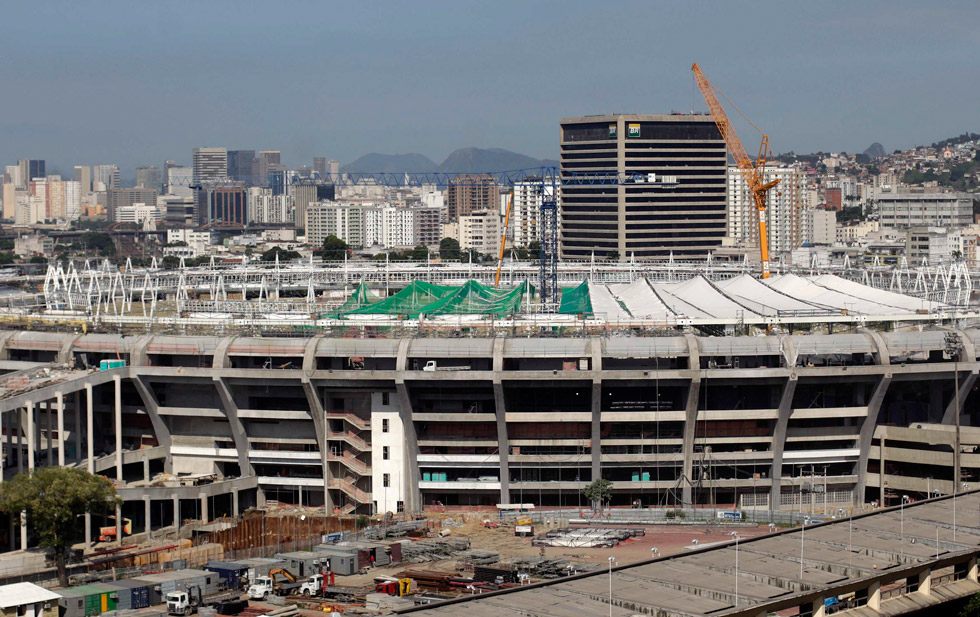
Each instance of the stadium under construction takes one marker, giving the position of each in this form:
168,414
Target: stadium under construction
379,390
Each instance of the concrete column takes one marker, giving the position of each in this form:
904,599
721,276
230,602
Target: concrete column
19,417
204,508
49,423
30,436
925,583
691,418
177,520
318,415
88,429
817,608
503,442
76,407
146,470
881,468
60,398
874,596
779,440
971,570
596,433
117,409
119,525
234,502
146,514
23,531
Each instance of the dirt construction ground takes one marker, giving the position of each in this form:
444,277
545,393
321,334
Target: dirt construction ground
669,539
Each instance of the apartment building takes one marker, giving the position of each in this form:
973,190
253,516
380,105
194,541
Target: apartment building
784,208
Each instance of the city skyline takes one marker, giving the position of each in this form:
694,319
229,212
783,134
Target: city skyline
393,80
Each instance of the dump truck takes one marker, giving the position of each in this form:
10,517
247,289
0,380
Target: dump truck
265,586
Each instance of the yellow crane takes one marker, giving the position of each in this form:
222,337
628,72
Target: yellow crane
753,172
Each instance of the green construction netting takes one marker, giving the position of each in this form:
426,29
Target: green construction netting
476,299
420,298
576,300
361,297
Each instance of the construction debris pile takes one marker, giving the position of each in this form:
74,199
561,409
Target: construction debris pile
435,549
595,537
545,567
478,558
398,530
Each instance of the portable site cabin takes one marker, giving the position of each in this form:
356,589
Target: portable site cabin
179,580
27,600
234,574
338,559
301,564
130,595
86,600
381,556
260,566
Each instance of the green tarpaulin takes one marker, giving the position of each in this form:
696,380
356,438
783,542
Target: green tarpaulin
576,300
420,298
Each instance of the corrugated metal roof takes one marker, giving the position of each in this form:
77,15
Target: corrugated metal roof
447,348
370,347
649,347
740,346
833,344
911,342
546,347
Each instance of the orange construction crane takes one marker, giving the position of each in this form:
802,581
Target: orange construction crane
753,172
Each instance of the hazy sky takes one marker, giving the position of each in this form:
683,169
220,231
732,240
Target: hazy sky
140,82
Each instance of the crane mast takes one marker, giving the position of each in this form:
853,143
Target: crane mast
752,171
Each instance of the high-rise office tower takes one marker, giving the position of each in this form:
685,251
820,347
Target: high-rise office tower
276,178
30,169
83,176
469,193
241,166
333,168
210,164
14,172
222,203
149,177
165,189
670,197
179,181
320,166
306,194
117,198
107,175
266,158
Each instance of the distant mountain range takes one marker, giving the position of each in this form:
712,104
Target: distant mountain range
464,160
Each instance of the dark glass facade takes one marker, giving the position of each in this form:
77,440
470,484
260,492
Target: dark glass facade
646,186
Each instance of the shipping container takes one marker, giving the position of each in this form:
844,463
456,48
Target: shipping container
85,601
105,365
234,574
130,595
179,580
302,564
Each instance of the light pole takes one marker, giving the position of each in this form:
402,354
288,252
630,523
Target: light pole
734,534
611,560
956,486
901,511
806,521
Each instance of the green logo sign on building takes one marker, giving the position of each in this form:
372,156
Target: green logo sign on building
612,131
634,130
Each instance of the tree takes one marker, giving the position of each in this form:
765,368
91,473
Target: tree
170,262
419,253
598,492
334,248
283,254
38,259
52,498
449,248
972,608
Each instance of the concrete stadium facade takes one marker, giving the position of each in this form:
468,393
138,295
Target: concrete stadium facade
793,421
